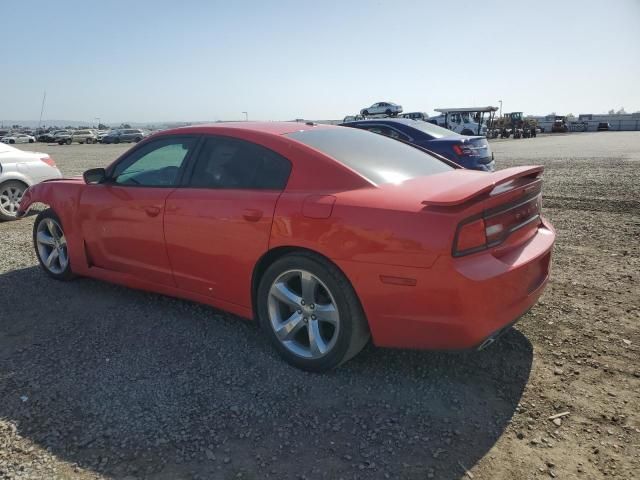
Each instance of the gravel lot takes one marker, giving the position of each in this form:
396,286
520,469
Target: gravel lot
98,381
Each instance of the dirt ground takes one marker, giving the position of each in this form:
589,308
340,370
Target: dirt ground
98,381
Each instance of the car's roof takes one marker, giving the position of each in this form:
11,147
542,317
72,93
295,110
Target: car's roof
4,148
273,128
466,109
410,122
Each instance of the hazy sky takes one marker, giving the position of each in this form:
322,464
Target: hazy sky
162,60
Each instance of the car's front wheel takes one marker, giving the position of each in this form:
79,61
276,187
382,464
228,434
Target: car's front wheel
50,244
10,195
311,312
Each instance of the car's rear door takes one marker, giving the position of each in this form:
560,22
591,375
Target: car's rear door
122,219
218,225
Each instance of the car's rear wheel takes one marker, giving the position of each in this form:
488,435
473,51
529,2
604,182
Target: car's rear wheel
31,140
51,245
365,113
10,195
388,113
12,141
311,312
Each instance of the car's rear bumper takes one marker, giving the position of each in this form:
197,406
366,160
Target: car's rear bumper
459,303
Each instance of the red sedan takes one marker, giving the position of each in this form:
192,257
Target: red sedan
328,235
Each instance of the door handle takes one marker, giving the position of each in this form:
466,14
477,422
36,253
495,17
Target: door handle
251,214
152,211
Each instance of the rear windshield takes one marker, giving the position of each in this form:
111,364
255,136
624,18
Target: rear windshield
378,158
434,130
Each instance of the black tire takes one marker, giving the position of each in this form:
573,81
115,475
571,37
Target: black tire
365,113
116,140
137,139
31,141
6,206
353,332
67,273
388,112
69,141
12,141
467,132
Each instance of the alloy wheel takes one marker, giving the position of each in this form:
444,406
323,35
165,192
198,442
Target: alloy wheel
10,196
303,314
52,246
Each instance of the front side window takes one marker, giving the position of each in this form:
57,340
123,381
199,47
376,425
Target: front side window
156,164
230,163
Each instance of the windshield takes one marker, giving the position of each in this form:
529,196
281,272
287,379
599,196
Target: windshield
378,158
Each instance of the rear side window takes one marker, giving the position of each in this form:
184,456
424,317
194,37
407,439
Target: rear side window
384,130
231,163
375,157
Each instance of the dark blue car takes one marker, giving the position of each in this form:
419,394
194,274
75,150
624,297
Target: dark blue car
468,152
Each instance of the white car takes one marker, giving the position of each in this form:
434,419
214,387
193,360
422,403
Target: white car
18,171
18,138
101,134
382,108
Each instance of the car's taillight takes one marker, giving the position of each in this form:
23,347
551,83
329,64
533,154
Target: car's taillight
471,237
495,225
476,149
502,223
461,151
49,161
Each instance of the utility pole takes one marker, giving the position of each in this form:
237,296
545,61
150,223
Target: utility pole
44,96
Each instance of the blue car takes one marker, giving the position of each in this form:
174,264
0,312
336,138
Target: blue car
467,151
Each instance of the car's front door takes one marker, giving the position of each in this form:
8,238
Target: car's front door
122,218
218,225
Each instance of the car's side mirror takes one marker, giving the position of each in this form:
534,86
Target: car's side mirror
94,176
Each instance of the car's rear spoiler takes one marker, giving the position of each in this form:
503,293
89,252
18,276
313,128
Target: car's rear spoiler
444,195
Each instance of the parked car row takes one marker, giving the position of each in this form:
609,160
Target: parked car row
88,136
